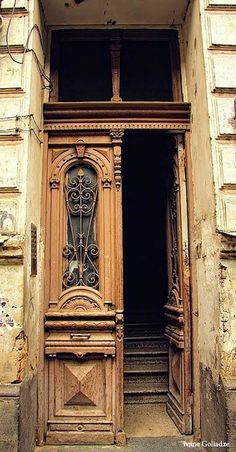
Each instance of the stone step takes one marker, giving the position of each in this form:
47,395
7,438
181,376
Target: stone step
139,398
146,381
145,338
143,347
145,391
145,367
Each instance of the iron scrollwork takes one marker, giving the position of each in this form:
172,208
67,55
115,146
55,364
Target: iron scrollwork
174,293
81,251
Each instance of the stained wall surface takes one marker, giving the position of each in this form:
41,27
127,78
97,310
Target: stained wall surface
21,94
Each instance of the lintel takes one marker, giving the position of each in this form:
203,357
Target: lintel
66,116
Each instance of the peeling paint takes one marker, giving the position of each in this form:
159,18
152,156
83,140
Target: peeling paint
6,320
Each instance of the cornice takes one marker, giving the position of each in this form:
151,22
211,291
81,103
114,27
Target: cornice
64,116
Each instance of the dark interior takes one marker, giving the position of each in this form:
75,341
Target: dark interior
84,71
145,167
145,71
84,68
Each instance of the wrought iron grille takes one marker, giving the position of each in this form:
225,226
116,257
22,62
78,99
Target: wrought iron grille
173,193
81,250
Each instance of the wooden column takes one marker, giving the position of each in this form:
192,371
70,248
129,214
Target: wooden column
117,135
54,239
115,65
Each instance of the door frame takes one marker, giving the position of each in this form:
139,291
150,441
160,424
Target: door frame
96,117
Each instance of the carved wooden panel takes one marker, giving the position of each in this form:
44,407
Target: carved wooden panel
80,392
177,308
84,313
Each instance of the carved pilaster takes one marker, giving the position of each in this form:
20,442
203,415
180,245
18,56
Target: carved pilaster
117,135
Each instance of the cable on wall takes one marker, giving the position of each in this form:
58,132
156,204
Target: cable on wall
46,82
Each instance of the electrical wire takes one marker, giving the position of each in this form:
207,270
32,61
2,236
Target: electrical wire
17,117
44,77
17,130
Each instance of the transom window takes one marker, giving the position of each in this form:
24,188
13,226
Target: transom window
103,65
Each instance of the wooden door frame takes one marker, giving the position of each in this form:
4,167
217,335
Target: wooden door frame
98,117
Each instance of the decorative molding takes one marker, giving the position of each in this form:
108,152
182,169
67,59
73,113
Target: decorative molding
117,166
11,137
15,48
119,326
20,11
106,182
222,48
117,134
214,7
80,149
118,125
63,116
14,90
54,183
80,324
81,303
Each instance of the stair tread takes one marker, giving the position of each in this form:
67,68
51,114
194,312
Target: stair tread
144,351
141,389
144,370
151,337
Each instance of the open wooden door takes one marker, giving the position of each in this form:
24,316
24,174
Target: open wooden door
84,307
177,308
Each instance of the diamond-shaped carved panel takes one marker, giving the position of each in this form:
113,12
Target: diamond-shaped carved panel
83,383
80,387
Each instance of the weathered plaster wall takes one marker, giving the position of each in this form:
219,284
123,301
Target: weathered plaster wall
218,20
21,96
204,240
209,55
219,24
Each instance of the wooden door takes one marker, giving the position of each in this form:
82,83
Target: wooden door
177,308
84,307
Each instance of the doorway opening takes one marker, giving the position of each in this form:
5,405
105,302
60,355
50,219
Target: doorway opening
146,165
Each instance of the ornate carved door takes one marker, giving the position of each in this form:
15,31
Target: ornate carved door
84,309
177,308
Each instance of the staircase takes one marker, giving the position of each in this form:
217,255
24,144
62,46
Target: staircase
145,364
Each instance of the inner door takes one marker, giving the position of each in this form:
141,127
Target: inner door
84,316
177,308
156,275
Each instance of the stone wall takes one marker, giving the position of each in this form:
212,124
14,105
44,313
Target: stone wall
21,96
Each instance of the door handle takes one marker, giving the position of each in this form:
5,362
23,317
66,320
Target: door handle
80,336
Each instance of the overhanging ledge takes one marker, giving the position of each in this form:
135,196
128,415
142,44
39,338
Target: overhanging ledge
63,116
